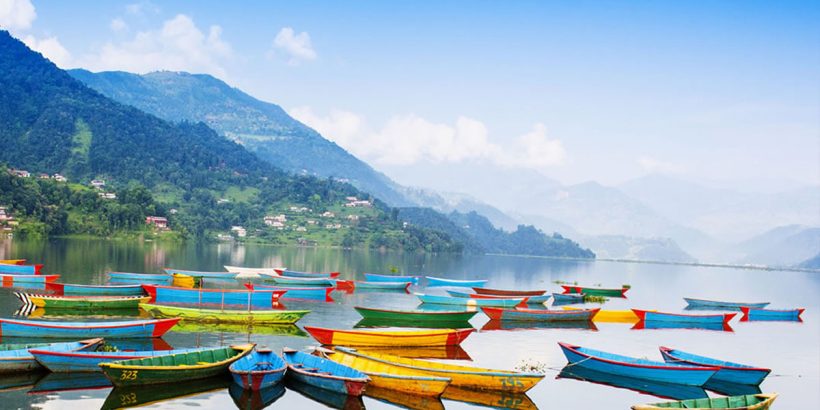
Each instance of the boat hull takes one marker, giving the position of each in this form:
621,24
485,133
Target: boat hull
416,315
285,280
325,374
200,274
611,316
306,293
225,316
381,285
88,361
256,298
258,370
433,281
752,314
509,293
389,338
703,303
540,315
650,316
374,277
747,402
14,280
83,302
297,274
729,372
85,330
95,290
616,293
464,302
18,358
242,271
19,269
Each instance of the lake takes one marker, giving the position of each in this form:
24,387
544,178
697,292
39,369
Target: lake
790,349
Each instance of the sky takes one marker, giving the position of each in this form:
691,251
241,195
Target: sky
433,93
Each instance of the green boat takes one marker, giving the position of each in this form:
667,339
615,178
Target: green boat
82,302
225,315
615,293
416,315
199,364
745,402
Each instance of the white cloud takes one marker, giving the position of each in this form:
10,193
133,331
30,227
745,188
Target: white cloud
118,24
298,46
652,165
178,46
141,7
410,139
51,48
16,14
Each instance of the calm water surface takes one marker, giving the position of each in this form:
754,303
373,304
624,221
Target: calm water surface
792,350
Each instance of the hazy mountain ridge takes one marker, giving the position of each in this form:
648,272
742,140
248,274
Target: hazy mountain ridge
789,245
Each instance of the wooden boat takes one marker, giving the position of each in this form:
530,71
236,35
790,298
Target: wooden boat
752,314
82,302
673,391
12,261
567,298
434,281
263,298
415,315
297,274
193,365
374,277
255,399
287,280
324,373
371,285
15,358
508,293
242,271
307,293
156,394
448,300
150,278
20,269
25,280
729,372
540,315
99,290
516,325
703,303
650,316
530,300
636,368
747,402
201,274
656,325
85,330
461,376
86,359
389,337
246,316
616,293
260,369
611,316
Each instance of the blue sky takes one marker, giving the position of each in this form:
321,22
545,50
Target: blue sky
575,91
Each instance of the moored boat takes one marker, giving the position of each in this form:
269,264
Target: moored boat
264,298
721,305
540,315
14,279
82,302
376,285
567,298
292,280
415,315
636,368
509,293
196,314
434,281
298,274
752,314
12,261
149,278
307,292
375,277
258,370
17,358
99,290
201,274
196,364
242,271
465,302
729,372
84,330
20,269
324,373
461,376
87,359
530,300
746,402
617,293
652,316
389,337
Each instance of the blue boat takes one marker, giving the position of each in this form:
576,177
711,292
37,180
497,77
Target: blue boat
260,369
264,298
787,315
718,327
433,281
20,269
150,278
375,277
292,280
17,358
376,285
652,316
86,359
531,300
729,372
294,293
298,274
94,290
201,274
721,305
13,280
85,330
637,368
464,302
567,298
324,374
672,391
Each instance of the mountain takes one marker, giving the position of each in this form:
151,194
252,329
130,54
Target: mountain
630,248
783,246
263,128
447,202
811,263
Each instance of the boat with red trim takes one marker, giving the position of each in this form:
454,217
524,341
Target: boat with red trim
298,274
97,290
434,281
13,280
508,293
258,370
324,373
87,359
540,315
653,316
615,293
445,337
20,269
297,293
789,315
721,305
729,372
85,330
264,298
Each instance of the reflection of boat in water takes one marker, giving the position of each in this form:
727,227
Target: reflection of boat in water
326,397
72,314
718,327
528,325
489,398
434,352
664,390
62,382
255,399
404,400
420,324
271,330
20,381
136,396
731,389
154,343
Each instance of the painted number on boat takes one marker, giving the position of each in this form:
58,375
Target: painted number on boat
128,399
128,375
511,382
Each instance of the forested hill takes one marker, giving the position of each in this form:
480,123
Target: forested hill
263,128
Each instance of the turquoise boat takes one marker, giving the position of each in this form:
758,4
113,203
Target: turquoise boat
79,330
290,280
433,281
721,305
201,274
375,277
17,358
95,290
20,269
324,373
298,274
260,369
788,315
149,278
297,293
449,300
86,359
376,285
729,372
530,300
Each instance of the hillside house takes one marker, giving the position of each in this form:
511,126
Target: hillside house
353,202
239,231
22,173
159,222
270,220
59,178
107,195
328,214
98,183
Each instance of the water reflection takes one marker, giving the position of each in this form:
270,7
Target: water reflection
63,382
489,398
404,400
136,396
437,324
528,325
663,390
328,398
20,381
255,399
248,329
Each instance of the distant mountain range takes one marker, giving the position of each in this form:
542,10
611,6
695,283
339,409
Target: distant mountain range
789,245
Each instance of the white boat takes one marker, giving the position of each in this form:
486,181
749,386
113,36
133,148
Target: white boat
253,272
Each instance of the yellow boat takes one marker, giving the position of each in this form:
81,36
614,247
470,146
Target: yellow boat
12,261
611,316
427,337
183,281
492,399
461,376
402,399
